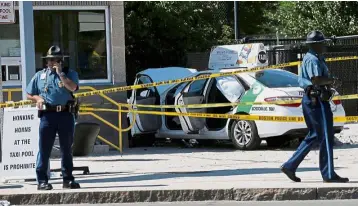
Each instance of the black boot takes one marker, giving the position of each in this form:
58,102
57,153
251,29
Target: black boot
336,179
290,174
70,185
44,186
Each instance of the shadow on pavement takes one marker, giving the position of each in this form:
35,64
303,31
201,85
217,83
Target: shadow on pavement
121,186
127,160
212,173
104,173
335,147
180,149
11,186
350,182
346,146
81,176
169,150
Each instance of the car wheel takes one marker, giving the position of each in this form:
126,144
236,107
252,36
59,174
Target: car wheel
244,136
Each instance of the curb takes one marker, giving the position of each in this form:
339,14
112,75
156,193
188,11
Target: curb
246,194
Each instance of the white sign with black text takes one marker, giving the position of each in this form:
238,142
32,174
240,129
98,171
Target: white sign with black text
20,142
7,12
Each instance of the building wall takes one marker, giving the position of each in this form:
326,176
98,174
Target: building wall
117,63
118,41
116,36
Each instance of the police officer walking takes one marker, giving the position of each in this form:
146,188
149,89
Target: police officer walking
317,112
52,89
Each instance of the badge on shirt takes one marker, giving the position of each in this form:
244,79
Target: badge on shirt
60,84
43,76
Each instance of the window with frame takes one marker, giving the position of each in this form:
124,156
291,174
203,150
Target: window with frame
145,80
81,34
230,87
277,78
197,87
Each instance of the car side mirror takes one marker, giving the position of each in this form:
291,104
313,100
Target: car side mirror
144,93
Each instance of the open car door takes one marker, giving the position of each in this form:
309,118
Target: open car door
193,93
147,96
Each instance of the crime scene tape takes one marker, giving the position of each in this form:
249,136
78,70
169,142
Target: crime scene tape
211,105
16,104
188,79
223,116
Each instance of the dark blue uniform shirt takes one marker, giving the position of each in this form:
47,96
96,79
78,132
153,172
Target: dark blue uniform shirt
54,94
312,65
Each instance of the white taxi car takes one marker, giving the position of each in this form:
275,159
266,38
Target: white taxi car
263,86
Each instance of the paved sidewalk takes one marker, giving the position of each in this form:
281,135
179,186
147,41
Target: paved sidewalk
187,174
192,174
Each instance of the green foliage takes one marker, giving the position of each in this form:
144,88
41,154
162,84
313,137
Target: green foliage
159,34
252,18
296,19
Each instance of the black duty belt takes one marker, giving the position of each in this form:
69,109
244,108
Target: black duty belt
319,92
57,108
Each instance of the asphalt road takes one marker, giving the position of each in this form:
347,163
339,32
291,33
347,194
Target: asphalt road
232,203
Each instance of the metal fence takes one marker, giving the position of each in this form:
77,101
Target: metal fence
345,71
292,50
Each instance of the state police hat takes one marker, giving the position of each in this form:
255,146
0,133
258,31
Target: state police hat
315,37
54,52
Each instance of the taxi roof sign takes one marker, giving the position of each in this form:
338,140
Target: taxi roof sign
238,56
7,12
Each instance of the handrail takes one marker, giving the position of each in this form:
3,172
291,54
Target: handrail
119,129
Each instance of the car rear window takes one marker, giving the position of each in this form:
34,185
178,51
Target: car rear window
277,78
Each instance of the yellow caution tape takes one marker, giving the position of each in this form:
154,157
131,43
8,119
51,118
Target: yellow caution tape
224,116
16,104
189,79
176,81
213,105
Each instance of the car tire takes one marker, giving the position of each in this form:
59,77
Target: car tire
251,138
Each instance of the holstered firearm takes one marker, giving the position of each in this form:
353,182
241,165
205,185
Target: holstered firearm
321,88
74,106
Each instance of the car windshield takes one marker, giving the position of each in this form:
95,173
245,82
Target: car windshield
277,78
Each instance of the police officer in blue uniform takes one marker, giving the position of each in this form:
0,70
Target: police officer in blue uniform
52,90
316,81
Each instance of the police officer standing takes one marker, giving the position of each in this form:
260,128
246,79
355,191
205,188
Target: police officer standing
52,89
315,79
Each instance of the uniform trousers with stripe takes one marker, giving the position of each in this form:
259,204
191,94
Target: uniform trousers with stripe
50,124
319,121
